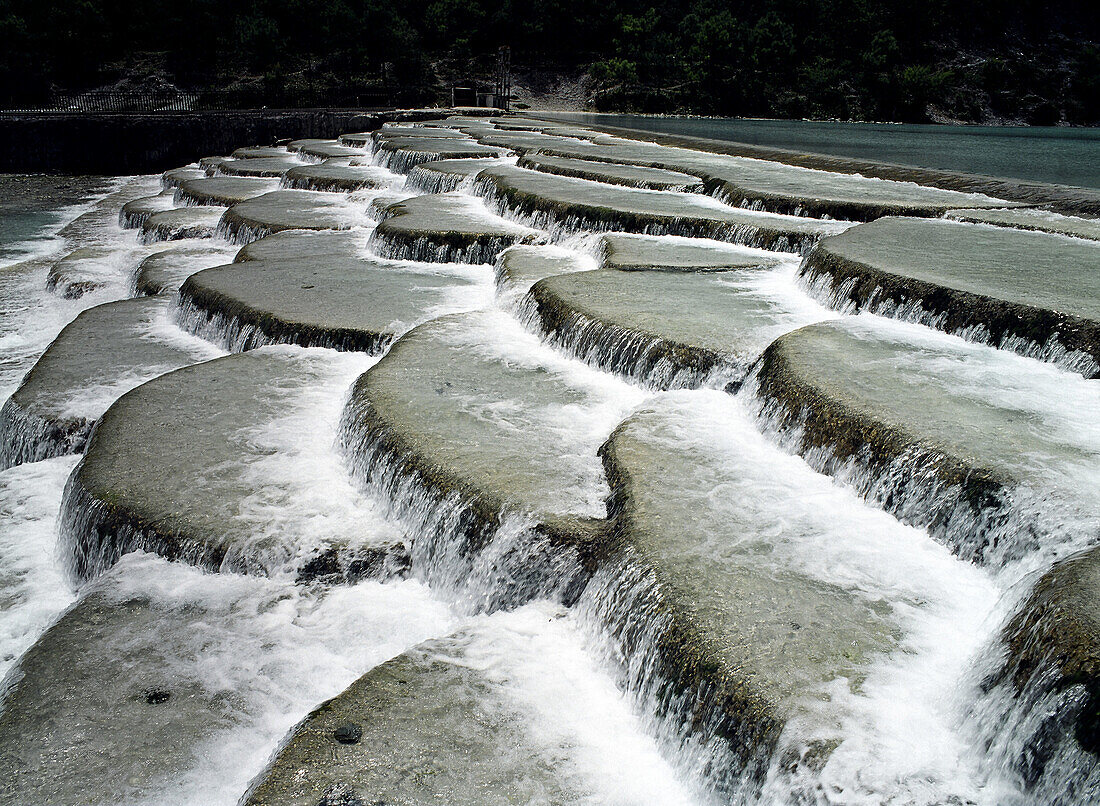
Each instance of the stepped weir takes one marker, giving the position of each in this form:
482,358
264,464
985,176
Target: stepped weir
480,460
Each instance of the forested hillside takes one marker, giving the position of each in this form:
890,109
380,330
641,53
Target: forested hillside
968,60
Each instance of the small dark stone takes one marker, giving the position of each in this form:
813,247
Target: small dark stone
348,733
155,696
340,795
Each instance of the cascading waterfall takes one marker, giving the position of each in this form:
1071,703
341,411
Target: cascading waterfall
483,557
840,295
565,225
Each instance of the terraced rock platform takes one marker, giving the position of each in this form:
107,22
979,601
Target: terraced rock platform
520,267
146,690
662,329
446,228
84,270
335,176
1031,219
261,166
186,466
444,176
103,353
629,252
100,711
260,152
358,304
177,176
480,423
578,203
324,149
427,727
402,154
294,244
611,173
760,184
431,132
135,213
164,271
718,577
1032,292
223,191
210,165
289,209
181,223
1051,665
891,408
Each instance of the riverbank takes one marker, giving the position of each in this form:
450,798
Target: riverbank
1062,198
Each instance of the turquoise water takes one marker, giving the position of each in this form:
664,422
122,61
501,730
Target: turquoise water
1043,154
30,205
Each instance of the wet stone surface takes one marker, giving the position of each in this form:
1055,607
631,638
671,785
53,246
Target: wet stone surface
629,175
447,227
197,477
293,244
343,303
338,177
1028,219
580,203
262,166
290,209
629,252
223,191
165,270
660,327
997,472
433,730
103,353
180,223
135,213
1032,292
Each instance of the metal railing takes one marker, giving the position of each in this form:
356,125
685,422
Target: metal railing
215,100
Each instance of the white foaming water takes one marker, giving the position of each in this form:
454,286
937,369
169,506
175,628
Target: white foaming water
474,295
31,316
902,734
574,712
571,433
1061,467
303,494
89,402
33,587
780,286
277,650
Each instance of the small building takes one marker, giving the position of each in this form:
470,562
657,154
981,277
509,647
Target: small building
471,94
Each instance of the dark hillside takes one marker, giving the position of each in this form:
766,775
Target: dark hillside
1019,61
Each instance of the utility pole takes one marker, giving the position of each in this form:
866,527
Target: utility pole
504,77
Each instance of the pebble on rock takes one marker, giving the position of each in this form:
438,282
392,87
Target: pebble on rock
348,733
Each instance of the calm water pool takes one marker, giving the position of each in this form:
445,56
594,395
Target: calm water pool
1044,154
